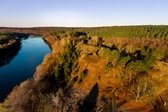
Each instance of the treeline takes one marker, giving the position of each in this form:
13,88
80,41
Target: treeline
130,31
146,31
11,35
5,33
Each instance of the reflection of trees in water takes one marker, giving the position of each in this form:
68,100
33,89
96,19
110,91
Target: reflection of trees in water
6,55
19,35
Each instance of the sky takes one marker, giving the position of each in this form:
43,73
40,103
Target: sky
82,13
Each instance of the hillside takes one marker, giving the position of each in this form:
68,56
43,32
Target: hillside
108,69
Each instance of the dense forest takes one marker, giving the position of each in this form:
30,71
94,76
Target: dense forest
122,31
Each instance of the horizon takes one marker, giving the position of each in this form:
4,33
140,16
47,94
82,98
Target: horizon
81,26
95,13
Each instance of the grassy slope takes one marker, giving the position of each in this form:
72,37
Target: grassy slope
128,72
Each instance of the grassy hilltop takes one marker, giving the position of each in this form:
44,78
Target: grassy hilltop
105,69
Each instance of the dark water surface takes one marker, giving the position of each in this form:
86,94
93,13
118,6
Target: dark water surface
22,65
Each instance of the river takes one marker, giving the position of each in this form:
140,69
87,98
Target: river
21,64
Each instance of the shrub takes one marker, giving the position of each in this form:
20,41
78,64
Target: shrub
159,53
136,67
74,66
122,62
115,55
112,57
149,61
142,87
107,52
77,34
57,71
65,64
83,75
67,70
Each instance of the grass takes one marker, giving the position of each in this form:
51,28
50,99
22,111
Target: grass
142,87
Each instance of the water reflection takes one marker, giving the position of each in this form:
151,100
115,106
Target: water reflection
8,54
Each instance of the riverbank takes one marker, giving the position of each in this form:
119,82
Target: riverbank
9,40
6,43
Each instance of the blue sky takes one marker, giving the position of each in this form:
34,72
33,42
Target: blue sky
30,13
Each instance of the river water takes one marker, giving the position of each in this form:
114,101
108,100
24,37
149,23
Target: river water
21,64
